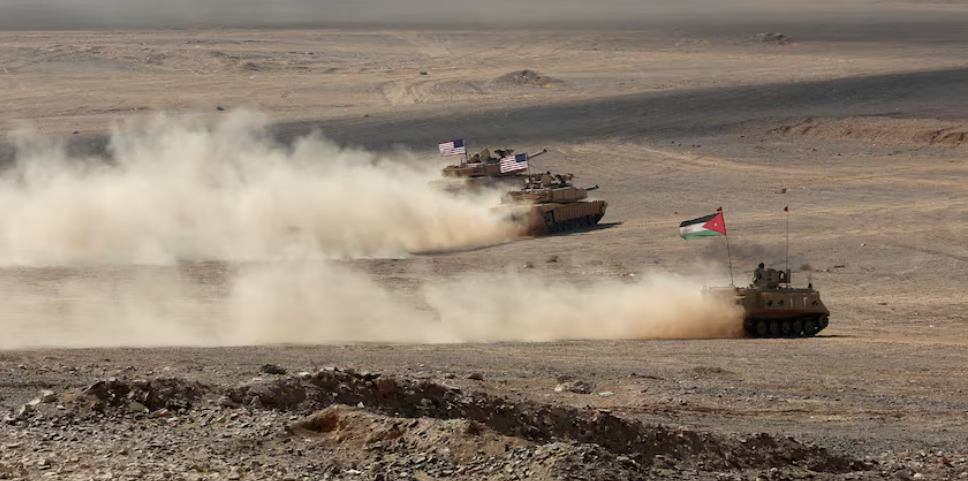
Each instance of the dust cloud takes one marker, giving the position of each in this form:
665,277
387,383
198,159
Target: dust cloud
213,235
326,303
656,305
177,190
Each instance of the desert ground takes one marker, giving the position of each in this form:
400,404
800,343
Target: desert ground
151,331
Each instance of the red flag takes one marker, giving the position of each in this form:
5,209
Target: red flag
720,209
786,209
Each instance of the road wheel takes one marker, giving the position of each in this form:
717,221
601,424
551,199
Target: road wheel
775,329
787,328
762,329
798,327
809,327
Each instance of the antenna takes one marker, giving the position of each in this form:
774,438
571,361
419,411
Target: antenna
786,262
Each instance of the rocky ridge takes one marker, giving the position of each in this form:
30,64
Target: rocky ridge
344,424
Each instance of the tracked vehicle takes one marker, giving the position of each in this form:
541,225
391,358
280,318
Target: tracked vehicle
772,308
550,203
482,170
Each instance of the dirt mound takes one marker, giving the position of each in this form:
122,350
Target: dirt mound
535,422
170,393
528,78
881,129
770,38
453,448
412,417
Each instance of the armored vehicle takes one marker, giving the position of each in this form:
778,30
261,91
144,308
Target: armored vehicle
550,203
772,308
482,170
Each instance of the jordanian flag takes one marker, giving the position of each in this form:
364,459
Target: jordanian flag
710,225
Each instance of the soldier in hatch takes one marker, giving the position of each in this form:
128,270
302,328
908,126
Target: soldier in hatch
758,272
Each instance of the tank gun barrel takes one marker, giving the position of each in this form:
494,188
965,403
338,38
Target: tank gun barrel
531,156
592,188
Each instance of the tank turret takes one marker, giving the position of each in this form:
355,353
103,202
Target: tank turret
547,188
549,203
483,164
773,308
482,169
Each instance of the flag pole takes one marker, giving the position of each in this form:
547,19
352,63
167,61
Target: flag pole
729,256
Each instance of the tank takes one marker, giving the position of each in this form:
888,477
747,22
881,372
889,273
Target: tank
550,203
482,170
772,308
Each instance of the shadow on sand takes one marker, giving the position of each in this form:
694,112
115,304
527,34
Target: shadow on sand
634,116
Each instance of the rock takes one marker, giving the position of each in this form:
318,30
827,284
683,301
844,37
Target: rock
475,376
47,396
606,394
136,407
272,369
161,413
918,476
963,475
304,375
577,387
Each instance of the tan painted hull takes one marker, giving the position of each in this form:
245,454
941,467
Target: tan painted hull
544,219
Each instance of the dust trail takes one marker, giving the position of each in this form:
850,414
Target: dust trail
324,303
123,307
103,254
177,190
656,305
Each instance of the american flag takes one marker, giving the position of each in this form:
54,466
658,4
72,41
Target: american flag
454,147
514,163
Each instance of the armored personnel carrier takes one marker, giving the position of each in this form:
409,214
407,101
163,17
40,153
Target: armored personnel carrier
482,170
550,203
772,308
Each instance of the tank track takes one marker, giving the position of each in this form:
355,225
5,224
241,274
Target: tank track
550,226
806,326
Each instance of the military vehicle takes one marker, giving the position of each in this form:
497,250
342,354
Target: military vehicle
550,203
772,308
481,170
